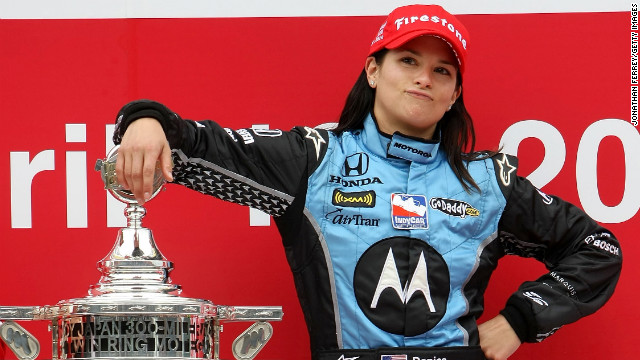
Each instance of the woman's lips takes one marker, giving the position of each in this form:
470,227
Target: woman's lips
419,94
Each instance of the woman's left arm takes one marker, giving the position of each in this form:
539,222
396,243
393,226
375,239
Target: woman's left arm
583,258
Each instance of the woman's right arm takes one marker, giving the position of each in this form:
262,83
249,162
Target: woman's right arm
245,166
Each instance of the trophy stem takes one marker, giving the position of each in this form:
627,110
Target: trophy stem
134,264
134,214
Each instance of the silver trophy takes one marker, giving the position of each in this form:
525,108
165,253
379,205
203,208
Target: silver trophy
134,311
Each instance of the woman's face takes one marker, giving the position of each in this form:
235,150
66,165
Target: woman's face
415,85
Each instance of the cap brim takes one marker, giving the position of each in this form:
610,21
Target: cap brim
405,38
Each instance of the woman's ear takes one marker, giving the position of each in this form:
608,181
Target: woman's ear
456,94
371,68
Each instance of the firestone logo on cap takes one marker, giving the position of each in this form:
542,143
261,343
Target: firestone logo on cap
408,22
425,18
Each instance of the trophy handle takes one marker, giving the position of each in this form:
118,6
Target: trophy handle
249,343
24,345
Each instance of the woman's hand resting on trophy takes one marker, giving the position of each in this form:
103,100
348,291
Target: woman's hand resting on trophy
143,146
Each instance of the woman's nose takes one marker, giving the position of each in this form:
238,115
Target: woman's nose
423,79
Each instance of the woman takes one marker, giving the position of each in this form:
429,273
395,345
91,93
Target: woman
391,230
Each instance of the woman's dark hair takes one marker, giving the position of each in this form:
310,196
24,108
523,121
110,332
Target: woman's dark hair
458,138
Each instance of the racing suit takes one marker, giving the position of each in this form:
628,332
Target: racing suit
386,247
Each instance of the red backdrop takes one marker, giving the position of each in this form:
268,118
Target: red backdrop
567,70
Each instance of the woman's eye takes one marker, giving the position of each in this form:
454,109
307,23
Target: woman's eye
442,71
408,60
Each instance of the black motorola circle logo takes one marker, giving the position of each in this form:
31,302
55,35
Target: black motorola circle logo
402,285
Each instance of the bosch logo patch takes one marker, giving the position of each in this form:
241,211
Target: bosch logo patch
597,241
603,245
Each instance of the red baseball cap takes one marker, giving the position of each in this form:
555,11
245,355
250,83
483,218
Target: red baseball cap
408,22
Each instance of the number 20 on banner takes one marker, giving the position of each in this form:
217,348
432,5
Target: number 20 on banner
586,163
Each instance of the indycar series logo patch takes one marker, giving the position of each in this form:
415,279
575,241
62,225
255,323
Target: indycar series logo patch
409,211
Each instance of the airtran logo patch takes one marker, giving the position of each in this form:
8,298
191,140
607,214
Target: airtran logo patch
365,199
453,207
